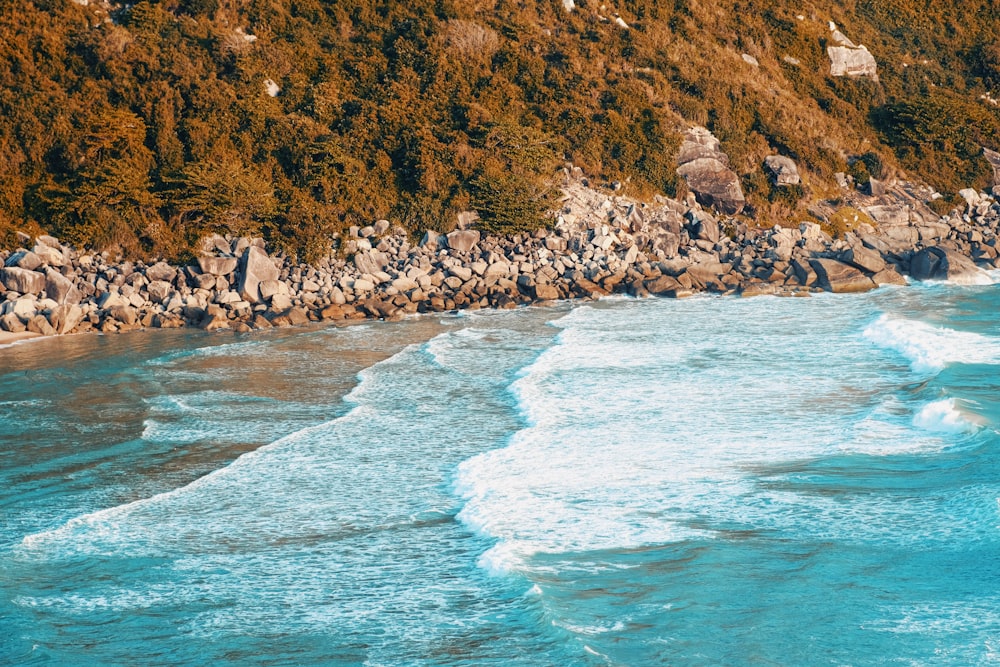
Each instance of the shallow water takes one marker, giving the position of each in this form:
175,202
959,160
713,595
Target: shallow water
697,482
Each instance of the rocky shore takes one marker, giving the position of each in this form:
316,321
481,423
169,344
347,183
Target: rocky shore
600,244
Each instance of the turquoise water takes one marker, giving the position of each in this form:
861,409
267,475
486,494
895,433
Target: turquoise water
699,482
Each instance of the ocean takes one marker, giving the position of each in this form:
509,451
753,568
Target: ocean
707,481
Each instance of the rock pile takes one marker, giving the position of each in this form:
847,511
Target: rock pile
600,244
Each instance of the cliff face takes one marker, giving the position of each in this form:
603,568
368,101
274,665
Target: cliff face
146,126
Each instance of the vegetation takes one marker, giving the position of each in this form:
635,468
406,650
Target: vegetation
144,126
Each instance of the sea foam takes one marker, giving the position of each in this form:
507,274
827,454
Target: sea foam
944,416
928,348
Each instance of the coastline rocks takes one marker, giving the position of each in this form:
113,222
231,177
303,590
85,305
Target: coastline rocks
602,243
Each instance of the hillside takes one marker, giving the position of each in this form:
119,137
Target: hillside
142,127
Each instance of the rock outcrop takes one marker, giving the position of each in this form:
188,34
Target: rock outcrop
849,59
781,170
705,167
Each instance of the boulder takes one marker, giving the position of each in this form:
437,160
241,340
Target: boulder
65,317
256,267
850,59
781,170
546,292
463,240
838,277
11,323
889,276
53,256
993,158
280,302
268,288
59,288
39,325
370,261
705,167
159,291
703,226
938,263
699,143
161,271
216,266
24,259
714,184
863,258
124,314
664,286
432,241
214,318
21,280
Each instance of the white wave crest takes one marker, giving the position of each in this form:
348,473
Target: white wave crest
930,349
944,416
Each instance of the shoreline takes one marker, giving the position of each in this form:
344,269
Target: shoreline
601,244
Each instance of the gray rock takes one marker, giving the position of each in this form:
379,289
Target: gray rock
371,261
24,259
838,277
714,184
65,317
863,258
889,276
433,240
703,226
39,325
217,266
781,170
60,289
49,241
256,267
12,323
850,59
269,288
161,271
937,263
53,256
463,240
22,280
159,291
993,158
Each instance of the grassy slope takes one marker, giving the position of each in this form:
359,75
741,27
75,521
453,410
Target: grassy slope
145,131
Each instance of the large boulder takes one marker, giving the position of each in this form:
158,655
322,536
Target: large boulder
838,277
781,170
161,271
60,289
217,266
705,167
863,258
256,267
371,261
463,240
849,59
714,184
938,263
24,259
21,280
65,317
